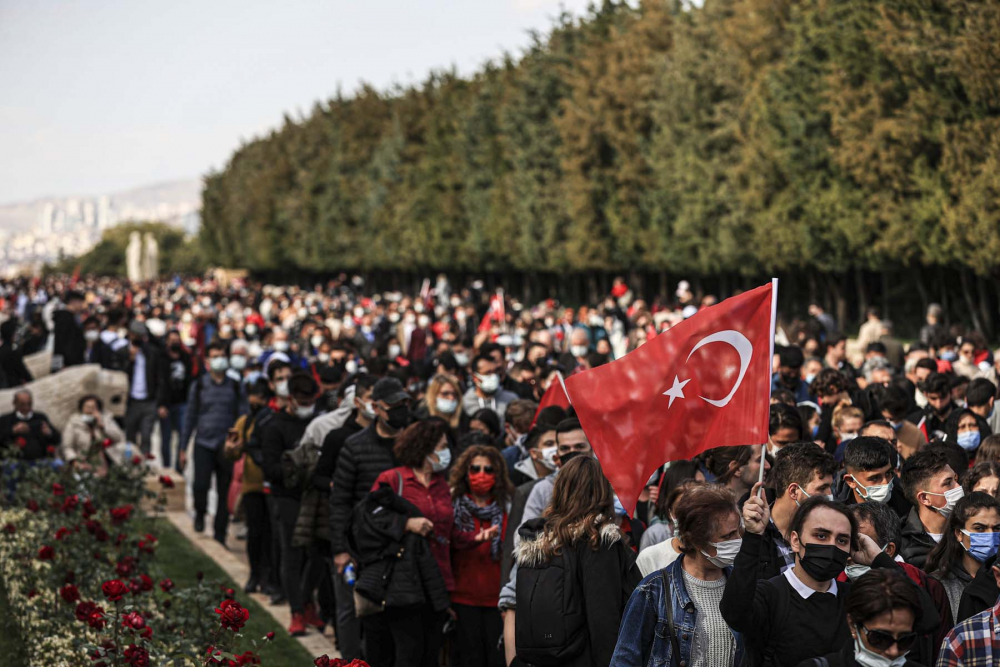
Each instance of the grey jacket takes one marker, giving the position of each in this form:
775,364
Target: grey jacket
212,409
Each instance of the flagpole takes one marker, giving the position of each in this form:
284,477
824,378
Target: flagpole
559,375
770,360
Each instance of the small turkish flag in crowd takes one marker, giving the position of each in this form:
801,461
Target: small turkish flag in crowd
494,314
703,383
554,395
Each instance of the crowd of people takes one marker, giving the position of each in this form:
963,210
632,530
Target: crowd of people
396,479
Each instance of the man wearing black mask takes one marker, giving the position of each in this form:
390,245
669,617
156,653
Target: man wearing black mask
363,458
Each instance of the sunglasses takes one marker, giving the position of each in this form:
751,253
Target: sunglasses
882,640
478,469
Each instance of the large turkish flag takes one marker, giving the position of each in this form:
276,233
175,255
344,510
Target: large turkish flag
703,383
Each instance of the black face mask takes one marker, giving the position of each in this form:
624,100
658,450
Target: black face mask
399,417
175,347
567,457
823,562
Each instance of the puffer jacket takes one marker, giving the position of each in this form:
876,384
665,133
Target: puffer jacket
314,518
916,543
395,567
360,462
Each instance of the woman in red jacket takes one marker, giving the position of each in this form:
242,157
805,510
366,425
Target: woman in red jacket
482,492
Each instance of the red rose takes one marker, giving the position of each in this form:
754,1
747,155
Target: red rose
322,661
88,509
120,515
101,535
232,615
269,636
136,460
214,656
106,443
135,587
32,593
121,538
84,609
136,656
57,489
70,503
62,532
166,585
32,505
124,566
229,593
248,658
70,577
9,529
166,481
148,544
146,633
145,583
92,526
133,621
46,553
113,590
51,450
69,593
21,442
97,619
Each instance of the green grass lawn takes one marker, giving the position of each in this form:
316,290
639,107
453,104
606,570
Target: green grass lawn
11,647
181,561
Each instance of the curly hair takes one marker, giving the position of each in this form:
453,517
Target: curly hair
502,491
416,443
829,382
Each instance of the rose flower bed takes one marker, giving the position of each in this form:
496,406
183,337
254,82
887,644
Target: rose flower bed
78,563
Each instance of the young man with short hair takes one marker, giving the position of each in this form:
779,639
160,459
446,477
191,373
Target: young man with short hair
933,489
869,465
931,420
801,471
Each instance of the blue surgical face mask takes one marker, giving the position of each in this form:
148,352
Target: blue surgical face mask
982,546
815,430
810,378
620,509
969,441
949,355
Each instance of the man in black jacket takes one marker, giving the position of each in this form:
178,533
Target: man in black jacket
68,345
97,351
13,372
282,434
179,373
363,458
932,486
870,475
28,431
145,374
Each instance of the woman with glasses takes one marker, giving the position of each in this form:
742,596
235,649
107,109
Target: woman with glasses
883,609
481,493
970,539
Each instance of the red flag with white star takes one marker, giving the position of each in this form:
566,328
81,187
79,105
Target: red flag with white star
554,395
703,383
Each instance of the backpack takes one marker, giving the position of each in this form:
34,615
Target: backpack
550,624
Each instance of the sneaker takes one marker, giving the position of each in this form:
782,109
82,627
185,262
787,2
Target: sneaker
252,585
297,627
312,618
199,524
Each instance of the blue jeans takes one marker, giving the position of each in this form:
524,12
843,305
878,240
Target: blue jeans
173,422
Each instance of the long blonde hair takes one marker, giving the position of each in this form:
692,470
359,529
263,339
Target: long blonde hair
430,398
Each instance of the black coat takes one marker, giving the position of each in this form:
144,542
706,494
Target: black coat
156,374
13,372
916,543
363,458
35,442
395,567
980,594
69,341
514,519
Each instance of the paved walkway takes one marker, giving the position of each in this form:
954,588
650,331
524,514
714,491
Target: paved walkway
234,562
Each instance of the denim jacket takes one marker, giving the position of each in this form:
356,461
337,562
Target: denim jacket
644,635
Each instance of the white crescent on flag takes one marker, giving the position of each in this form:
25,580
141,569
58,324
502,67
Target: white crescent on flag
743,347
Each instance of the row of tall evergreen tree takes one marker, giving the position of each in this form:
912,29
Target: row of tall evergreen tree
742,137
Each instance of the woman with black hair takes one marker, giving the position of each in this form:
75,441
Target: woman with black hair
784,427
486,421
984,476
883,609
737,468
971,538
967,429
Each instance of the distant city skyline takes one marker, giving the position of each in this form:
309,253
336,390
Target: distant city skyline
105,96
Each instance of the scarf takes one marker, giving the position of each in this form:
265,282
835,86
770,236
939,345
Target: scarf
466,509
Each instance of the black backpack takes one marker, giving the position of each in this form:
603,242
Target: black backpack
550,625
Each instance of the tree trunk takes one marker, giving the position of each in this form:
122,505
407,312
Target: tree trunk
985,306
970,304
885,295
859,284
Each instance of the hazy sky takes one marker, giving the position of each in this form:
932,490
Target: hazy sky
99,95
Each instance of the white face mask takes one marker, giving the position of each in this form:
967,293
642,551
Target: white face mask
218,364
351,366
25,416
394,351
281,389
847,437
323,357
462,359
91,335
951,497
855,571
281,346
877,494
489,384
88,419
304,411
446,406
367,410
828,496
725,552
316,341
238,362
579,350
548,458
444,460
868,658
